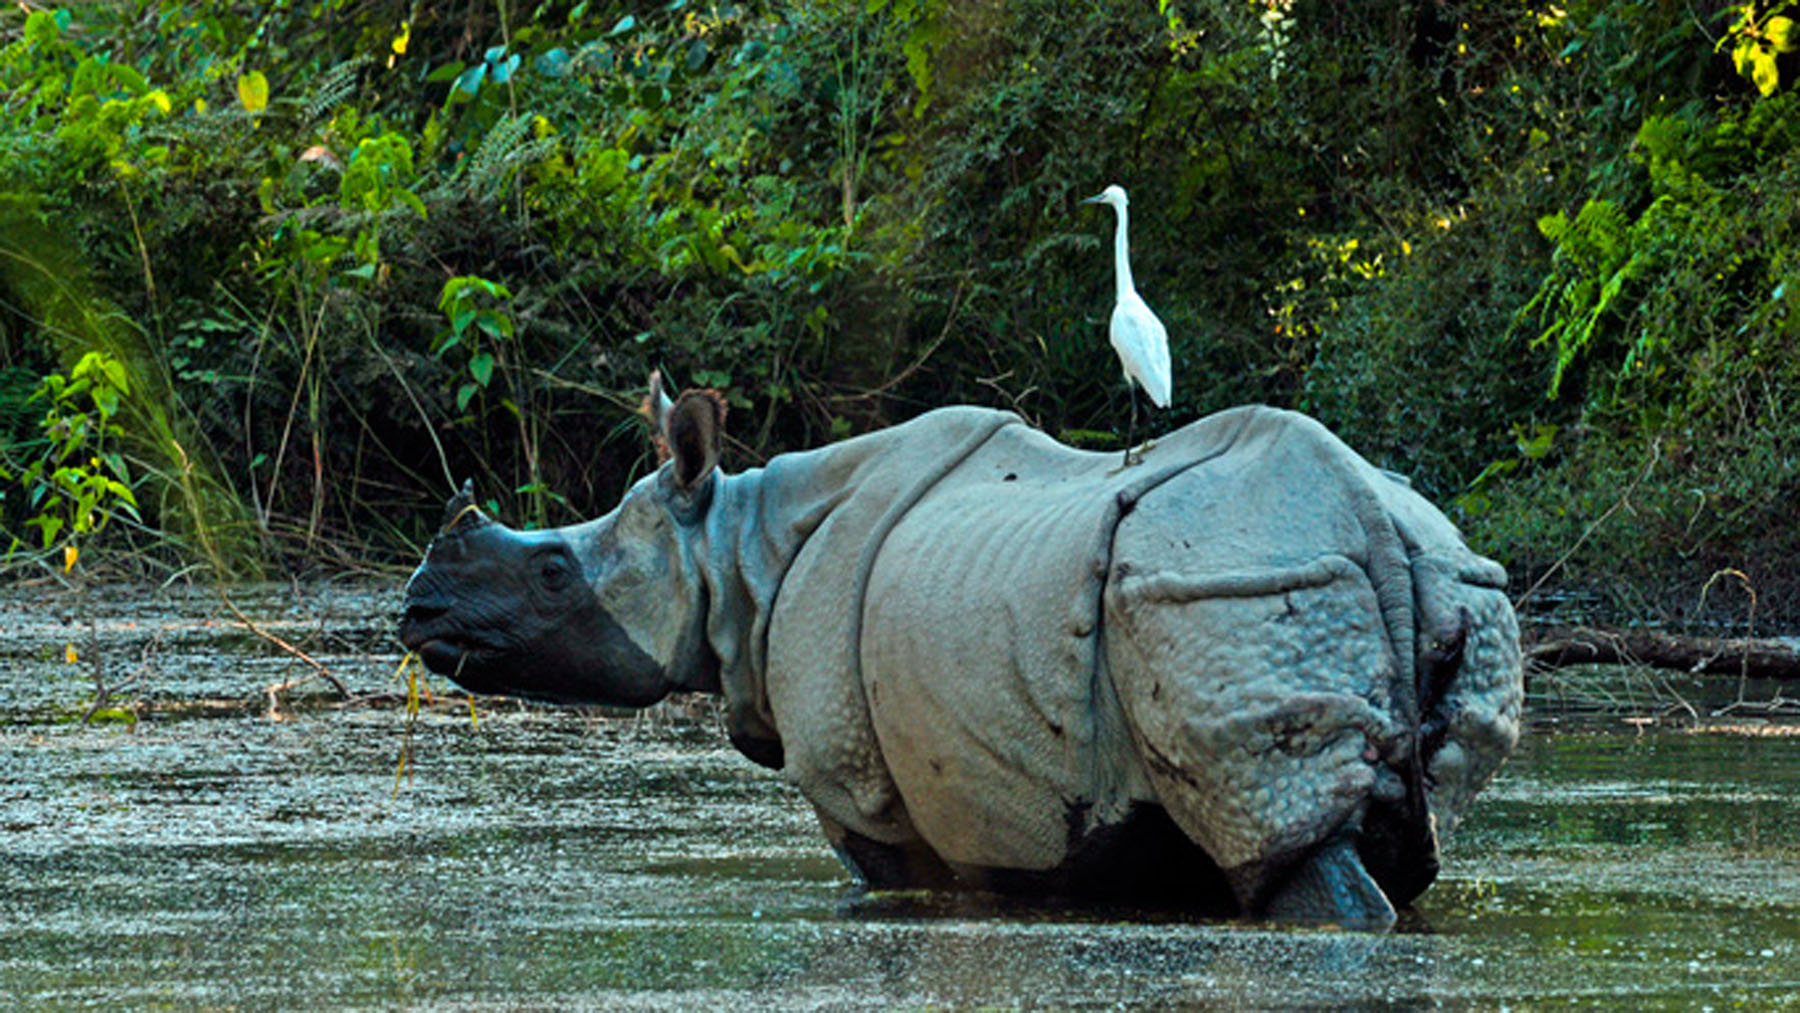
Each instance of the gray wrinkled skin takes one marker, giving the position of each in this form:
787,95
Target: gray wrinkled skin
1252,674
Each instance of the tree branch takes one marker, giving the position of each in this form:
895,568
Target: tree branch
1561,646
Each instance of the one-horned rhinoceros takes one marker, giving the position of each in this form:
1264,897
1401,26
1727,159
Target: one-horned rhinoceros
1251,674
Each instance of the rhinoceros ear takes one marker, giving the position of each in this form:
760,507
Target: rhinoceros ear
692,428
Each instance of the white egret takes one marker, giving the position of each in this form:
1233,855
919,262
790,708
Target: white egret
1138,337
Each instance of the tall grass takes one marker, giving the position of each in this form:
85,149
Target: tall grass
191,510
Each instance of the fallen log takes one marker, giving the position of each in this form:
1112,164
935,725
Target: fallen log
1562,646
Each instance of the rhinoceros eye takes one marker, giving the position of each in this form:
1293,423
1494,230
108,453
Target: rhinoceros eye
553,572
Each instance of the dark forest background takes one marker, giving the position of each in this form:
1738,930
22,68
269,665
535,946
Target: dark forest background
274,275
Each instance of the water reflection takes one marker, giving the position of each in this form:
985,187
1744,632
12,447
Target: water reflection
551,860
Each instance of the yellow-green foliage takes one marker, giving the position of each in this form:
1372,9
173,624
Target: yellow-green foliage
361,249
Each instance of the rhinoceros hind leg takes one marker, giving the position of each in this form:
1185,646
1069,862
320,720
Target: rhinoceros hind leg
878,866
1331,885
1398,845
1143,861
1147,859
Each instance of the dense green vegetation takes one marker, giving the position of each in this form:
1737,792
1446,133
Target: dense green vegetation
336,253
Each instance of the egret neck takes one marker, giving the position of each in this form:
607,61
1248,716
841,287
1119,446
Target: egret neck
1122,251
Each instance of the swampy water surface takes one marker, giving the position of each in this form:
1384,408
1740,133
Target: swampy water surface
220,853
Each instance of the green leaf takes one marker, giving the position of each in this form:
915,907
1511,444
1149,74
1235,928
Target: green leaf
464,394
1763,71
253,91
1543,438
450,293
325,249
42,28
626,24
51,527
130,79
446,72
411,200
554,62
470,81
481,367
494,325
114,370
1473,503
1493,471
1741,54
1780,32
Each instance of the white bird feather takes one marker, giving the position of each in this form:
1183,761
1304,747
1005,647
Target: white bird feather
1136,334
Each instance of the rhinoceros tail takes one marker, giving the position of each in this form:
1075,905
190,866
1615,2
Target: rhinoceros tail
1468,670
1467,696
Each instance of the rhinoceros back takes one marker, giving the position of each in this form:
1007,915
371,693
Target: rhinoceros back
981,650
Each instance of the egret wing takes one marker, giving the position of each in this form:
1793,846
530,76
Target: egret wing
1143,347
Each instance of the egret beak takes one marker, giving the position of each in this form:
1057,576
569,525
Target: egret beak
1098,198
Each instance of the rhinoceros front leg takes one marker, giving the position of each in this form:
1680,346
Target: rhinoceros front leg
1331,885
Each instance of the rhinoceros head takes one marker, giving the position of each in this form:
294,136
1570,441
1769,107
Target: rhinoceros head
609,611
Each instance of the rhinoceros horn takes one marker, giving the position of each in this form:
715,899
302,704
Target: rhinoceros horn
461,509
657,403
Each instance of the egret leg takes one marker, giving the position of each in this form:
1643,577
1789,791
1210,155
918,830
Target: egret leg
1131,432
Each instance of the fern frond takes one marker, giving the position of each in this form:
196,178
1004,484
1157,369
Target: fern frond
331,90
507,148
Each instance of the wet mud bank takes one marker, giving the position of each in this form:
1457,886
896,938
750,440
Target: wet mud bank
220,853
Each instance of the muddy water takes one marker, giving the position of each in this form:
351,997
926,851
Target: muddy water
218,855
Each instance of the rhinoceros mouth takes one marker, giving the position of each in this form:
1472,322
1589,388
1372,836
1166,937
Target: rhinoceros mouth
423,630
444,656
